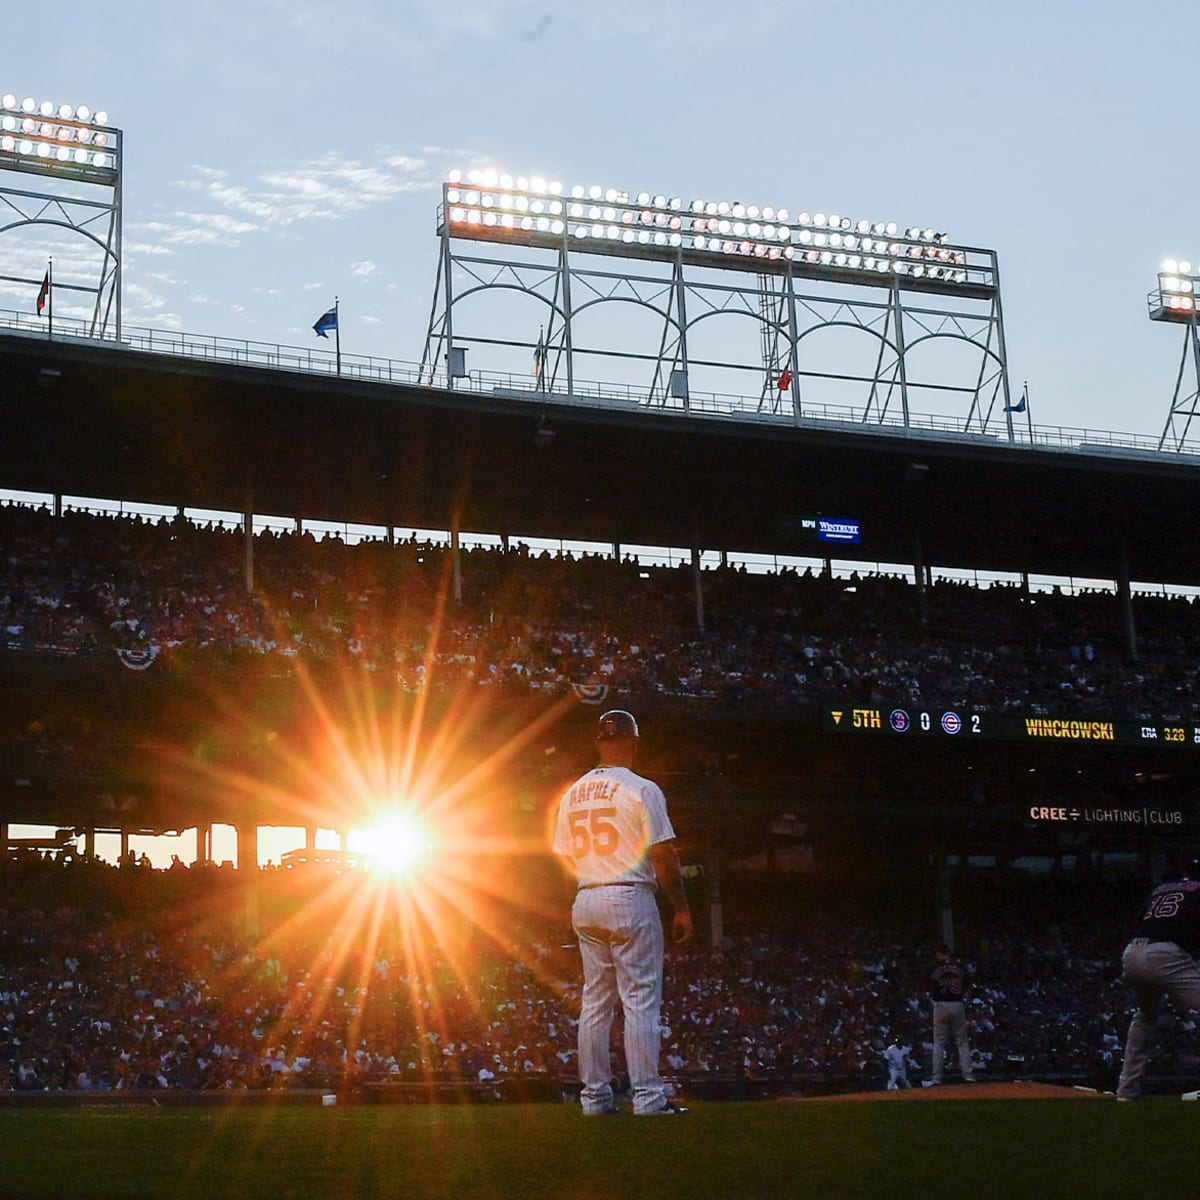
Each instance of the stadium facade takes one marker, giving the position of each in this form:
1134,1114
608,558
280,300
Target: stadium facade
94,418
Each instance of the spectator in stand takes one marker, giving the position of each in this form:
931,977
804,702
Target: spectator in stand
86,585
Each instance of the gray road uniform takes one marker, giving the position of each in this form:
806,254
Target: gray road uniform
947,984
1159,961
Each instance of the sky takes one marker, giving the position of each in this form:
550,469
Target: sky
278,154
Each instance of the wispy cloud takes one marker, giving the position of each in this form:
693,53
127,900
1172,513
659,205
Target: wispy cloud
225,210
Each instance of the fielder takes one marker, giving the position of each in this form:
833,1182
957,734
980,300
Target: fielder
897,1058
614,833
1160,961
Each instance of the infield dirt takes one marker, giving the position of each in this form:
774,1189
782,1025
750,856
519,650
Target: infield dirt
1021,1090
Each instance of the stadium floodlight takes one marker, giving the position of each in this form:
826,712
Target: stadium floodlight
737,234
1174,299
74,147
62,140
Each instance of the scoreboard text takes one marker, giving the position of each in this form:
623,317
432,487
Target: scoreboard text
968,725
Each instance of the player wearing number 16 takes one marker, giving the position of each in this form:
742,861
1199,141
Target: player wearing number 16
1160,961
614,834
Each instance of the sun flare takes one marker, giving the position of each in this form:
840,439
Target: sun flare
438,802
400,844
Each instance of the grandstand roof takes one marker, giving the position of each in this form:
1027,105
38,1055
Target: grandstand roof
95,419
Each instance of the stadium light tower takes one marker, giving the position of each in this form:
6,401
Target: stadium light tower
689,260
75,154
1174,301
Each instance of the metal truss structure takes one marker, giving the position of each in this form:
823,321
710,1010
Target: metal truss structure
78,155
1174,301
902,290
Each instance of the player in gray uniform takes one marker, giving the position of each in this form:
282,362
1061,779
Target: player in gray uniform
1160,960
947,983
614,832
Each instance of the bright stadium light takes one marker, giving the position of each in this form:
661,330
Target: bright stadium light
51,135
528,211
74,147
1174,299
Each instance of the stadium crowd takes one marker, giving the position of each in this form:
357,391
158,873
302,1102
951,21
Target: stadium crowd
168,988
80,584
127,978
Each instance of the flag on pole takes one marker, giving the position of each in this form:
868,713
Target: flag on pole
1021,404
326,322
43,293
785,380
539,353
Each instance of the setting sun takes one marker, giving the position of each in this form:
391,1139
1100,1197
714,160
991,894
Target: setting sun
398,844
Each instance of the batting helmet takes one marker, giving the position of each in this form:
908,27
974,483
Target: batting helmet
614,724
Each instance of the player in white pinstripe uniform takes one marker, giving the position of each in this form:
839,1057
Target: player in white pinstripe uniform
614,832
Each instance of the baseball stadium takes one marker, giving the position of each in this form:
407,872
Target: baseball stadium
906,678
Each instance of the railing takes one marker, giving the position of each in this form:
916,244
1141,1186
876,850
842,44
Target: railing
368,368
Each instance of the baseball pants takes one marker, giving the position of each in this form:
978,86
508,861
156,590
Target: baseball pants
950,1021
1153,970
621,944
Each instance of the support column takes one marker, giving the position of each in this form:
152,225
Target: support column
1125,598
456,565
698,585
246,848
945,908
89,843
716,916
248,539
919,578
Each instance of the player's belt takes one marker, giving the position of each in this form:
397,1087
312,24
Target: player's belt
587,887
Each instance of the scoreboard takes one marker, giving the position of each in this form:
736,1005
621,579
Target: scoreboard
970,725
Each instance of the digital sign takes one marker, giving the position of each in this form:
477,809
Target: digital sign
844,530
968,725
1121,816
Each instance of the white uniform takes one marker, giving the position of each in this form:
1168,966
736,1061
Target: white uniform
607,820
897,1057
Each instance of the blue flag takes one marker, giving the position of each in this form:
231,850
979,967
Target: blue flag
326,322
1021,404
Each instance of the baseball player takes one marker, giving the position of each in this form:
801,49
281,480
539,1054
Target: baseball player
897,1058
947,983
1160,960
614,833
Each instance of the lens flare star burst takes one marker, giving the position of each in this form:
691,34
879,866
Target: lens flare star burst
439,837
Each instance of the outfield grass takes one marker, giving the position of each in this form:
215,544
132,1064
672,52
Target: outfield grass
1014,1149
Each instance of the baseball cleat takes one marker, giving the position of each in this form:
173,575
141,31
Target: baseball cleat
668,1110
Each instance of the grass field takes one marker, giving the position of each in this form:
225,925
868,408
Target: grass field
1013,1149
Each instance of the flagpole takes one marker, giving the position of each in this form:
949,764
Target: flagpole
50,298
337,334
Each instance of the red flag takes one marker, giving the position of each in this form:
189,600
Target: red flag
43,293
785,380
539,353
